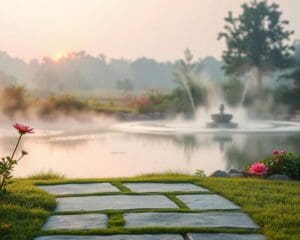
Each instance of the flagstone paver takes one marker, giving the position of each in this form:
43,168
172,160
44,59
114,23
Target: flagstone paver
207,202
224,236
80,188
164,187
92,203
78,221
151,196
115,237
207,219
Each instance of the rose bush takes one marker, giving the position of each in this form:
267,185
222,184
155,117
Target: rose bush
280,162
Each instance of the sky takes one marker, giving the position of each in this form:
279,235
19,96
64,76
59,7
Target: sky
159,29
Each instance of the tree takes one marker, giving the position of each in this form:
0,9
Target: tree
257,38
185,73
126,85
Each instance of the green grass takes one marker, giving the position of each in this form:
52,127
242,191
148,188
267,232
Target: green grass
23,210
274,205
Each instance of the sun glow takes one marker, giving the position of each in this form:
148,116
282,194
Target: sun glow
58,56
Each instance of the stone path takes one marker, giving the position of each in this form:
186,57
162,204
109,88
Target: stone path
146,205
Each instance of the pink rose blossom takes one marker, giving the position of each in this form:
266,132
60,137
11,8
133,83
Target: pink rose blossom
275,152
283,152
258,169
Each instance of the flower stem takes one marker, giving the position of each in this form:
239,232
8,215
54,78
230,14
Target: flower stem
16,147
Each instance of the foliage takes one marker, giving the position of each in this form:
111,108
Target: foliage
189,93
257,38
175,102
13,99
286,163
273,205
200,173
125,85
65,104
6,167
46,175
23,210
233,90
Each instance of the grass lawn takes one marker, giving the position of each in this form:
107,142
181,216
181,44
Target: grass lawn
274,205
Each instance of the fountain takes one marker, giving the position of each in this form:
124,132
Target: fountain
221,120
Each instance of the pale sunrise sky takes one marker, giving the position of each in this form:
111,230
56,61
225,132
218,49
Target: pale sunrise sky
159,29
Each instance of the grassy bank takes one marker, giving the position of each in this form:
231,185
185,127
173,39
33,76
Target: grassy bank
274,205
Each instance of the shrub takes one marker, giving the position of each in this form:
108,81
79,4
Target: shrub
281,162
13,99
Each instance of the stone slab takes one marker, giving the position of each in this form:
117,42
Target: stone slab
207,202
164,187
79,188
224,236
79,221
93,203
114,237
207,219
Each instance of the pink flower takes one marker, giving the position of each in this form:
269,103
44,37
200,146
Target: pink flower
23,128
283,152
275,152
258,169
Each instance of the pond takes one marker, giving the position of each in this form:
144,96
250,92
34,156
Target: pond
110,151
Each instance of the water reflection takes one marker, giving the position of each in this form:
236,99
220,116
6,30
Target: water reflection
111,153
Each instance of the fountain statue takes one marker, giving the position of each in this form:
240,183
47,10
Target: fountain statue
221,120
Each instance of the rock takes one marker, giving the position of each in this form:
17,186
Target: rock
204,219
236,175
114,202
165,187
207,202
279,177
62,189
234,171
78,221
114,237
219,173
224,236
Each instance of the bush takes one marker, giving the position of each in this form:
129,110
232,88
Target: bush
64,104
13,99
284,163
175,102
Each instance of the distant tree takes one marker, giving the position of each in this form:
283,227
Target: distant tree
185,75
125,85
13,99
185,70
257,38
102,57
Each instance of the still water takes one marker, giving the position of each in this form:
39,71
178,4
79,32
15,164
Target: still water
107,152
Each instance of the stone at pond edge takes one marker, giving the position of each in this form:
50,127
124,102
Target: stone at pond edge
219,173
234,171
279,177
236,175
